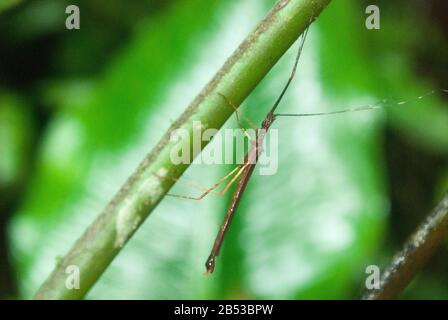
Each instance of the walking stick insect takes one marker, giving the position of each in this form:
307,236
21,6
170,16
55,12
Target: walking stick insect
245,170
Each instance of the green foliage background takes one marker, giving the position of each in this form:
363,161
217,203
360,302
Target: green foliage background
80,109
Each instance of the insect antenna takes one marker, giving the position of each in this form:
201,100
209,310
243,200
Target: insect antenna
293,72
378,105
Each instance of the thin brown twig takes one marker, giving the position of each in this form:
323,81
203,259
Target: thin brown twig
415,254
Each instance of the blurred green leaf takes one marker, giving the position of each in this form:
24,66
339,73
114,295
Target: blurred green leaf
307,231
35,19
6,4
15,140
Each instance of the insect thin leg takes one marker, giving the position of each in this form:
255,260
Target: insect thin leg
209,190
238,114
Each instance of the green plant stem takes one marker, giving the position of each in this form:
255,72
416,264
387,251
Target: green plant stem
415,254
129,208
